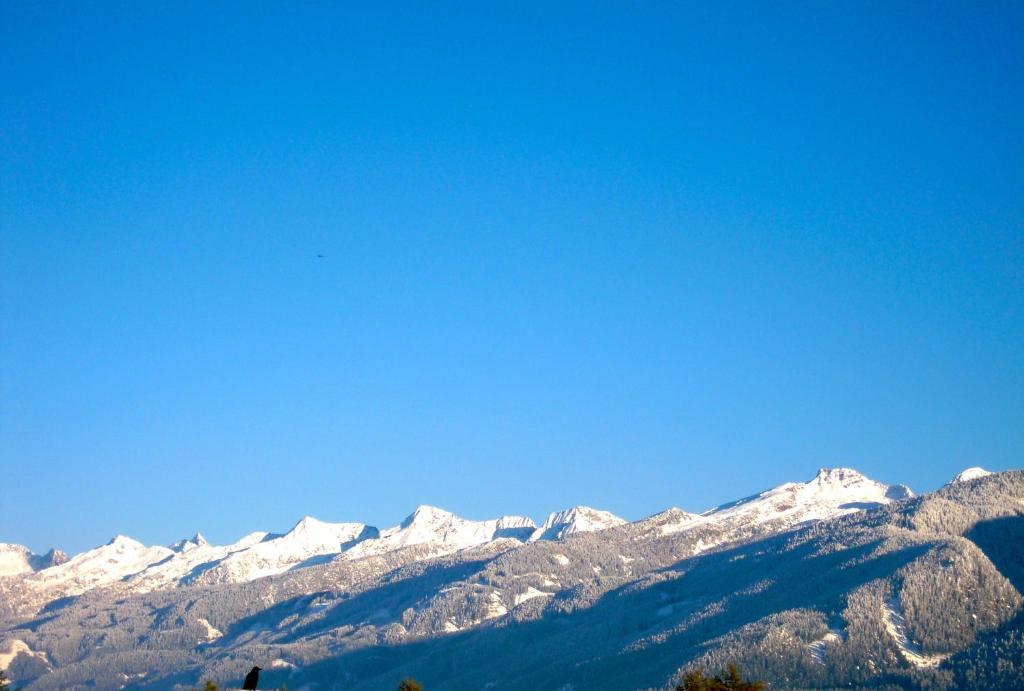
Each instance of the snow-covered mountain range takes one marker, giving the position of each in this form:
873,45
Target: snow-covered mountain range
803,581
141,568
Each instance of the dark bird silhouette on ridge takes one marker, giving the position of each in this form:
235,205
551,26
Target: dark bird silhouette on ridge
252,679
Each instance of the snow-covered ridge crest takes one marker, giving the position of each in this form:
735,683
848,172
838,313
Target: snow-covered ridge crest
120,558
194,542
191,558
433,531
16,560
969,474
671,521
443,531
274,554
259,554
831,492
579,519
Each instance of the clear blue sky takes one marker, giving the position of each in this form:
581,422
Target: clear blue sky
631,255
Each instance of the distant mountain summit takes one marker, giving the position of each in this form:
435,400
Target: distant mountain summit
831,492
191,543
17,559
54,557
970,474
579,519
442,532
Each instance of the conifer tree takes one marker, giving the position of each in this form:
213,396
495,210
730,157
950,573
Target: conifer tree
729,680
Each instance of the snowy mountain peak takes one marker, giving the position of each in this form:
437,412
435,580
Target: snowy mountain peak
123,543
970,474
672,515
320,535
119,559
845,479
669,521
579,519
54,557
310,540
515,527
673,512
839,476
306,525
15,559
426,515
831,492
442,532
506,522
191,543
